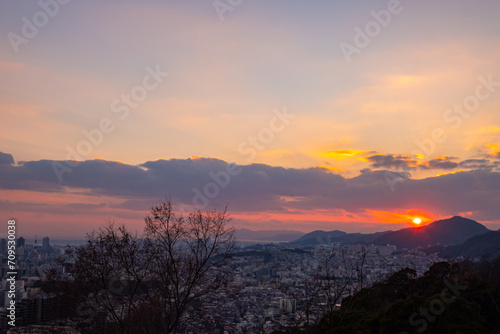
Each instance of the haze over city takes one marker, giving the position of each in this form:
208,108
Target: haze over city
357,116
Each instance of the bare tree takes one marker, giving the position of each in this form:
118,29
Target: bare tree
320,293
125,279
334,287
306,293
189,257
109,272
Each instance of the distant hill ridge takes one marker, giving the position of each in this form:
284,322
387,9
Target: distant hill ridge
485,245
451,231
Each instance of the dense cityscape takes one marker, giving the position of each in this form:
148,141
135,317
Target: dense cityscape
265,291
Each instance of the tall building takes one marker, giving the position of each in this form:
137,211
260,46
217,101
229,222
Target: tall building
21,242
288,305
46,244
3,246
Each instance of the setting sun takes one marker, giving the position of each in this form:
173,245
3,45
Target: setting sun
417,221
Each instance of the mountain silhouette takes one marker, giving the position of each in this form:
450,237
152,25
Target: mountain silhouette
485,245
445,232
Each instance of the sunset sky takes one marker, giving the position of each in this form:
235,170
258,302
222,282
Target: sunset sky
298,115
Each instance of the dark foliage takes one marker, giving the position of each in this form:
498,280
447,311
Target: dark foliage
449,298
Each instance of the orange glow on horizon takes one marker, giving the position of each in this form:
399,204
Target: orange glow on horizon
302,219
398,217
